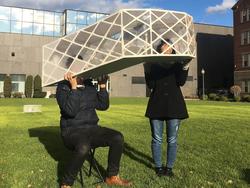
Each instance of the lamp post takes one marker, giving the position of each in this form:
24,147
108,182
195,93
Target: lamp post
203,84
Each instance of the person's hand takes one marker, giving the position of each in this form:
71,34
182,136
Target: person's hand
72,80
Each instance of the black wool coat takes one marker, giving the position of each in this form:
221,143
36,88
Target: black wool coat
78,107
166,100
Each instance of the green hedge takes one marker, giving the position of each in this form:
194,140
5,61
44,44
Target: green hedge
28,86
38,88
7,87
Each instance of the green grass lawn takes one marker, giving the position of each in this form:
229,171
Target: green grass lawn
214,145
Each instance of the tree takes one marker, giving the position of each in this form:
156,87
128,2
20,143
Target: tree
28,86
7,87
38,88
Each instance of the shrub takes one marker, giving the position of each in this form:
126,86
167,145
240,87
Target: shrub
245,98
7,87
38,88
17,94
28,86
212,96
237,98
223,98
52,96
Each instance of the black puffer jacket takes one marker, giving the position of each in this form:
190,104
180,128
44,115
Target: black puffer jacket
78,107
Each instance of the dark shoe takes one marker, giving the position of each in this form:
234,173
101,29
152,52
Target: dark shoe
168,172
116,180
159,171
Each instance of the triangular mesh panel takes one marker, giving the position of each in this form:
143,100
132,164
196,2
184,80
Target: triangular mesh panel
121,40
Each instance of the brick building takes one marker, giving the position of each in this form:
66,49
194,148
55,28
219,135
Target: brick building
241,15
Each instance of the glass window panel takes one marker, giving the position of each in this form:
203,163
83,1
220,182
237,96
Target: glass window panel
80,26
57,31
48,30
16,27
2,77
16,14
4,13
82,18
14,87
63,46
71,16
28,15
4,26
38,16
73,50
91,18
1,86
66,62
58,18
49,17
38,29
27,28
100,16
17,77
71,28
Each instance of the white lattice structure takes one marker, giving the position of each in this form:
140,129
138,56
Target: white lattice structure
123,39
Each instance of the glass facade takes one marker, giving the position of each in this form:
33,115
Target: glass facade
46,23
76,19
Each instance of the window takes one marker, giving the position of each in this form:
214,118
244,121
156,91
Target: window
138,80
2,76
248,14
91,19
246,86
245,38
38,16
245,60
82,18
4,26
71,16
243,16
28,15
18,82
4,13
190,78
16,14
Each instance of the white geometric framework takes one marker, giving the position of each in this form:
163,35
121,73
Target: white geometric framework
122,39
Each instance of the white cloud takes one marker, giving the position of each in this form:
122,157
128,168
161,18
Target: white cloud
108,6
225,5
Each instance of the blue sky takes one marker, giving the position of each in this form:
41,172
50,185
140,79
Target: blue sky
216,12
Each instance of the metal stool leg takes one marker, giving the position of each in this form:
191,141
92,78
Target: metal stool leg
81,179
93,162
92,155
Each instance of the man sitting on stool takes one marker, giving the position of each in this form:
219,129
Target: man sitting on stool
78,99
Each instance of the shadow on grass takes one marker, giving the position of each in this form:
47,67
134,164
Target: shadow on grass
246,175
138,156
50,137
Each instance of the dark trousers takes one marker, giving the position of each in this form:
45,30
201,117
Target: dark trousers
81,140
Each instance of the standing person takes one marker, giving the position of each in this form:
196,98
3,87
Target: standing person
78,100
166,104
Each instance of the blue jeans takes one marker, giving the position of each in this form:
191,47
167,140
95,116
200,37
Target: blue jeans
157,127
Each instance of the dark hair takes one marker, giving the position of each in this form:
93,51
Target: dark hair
88,82
162,42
